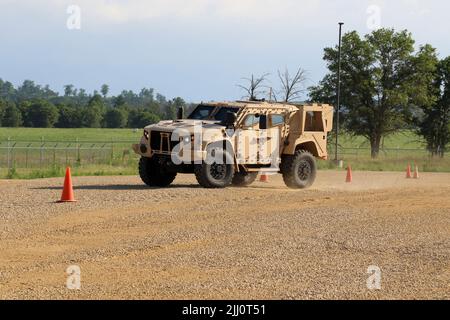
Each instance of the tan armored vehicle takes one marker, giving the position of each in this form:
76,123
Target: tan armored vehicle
230,143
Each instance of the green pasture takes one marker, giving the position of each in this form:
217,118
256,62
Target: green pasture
108,152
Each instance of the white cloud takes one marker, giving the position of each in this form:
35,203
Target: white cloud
125,11
309,11
121,11
416,7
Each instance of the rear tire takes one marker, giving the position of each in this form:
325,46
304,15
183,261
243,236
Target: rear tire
299,170
243,179
154,174
215,176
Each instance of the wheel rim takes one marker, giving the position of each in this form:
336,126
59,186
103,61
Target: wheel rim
304,170
218,171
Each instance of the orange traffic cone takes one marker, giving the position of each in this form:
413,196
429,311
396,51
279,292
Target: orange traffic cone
408,172
67,194
416,172
349,178
264,178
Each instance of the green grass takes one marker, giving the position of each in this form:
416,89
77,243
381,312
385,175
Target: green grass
84,134
88,170
406,139
112,161
32,163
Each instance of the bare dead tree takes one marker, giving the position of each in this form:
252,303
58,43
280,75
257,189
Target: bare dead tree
254,86
292,87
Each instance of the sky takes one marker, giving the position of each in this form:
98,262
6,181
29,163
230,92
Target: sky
196,49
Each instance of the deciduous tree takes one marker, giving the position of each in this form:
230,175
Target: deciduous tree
434,125
11,116
381,83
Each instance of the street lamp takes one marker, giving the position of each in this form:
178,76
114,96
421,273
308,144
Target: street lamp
338,94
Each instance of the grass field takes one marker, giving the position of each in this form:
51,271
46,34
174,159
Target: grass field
54,134
404,139
398,150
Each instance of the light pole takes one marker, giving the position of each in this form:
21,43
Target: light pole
338,94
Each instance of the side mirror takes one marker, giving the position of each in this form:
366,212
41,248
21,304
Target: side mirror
263,122
180,113
230,119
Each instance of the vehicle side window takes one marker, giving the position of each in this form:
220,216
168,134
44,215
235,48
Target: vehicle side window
276,120
313,121
251,121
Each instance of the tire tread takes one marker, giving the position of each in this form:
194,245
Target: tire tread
287,167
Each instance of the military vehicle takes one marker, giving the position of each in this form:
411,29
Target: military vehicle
230,143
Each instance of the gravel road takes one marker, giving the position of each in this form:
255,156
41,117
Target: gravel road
260,242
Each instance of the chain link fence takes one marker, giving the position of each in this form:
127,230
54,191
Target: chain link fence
385,153
41,154
44,154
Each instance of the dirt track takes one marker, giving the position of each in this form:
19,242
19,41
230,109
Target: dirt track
265,241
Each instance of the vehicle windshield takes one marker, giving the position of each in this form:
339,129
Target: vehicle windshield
204,112
222,113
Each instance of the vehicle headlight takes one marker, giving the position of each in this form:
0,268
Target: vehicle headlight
188,139
146,134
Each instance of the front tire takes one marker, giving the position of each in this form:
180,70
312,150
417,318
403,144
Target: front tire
216,175
299,170
154,174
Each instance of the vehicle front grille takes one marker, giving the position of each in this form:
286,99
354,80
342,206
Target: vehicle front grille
162,141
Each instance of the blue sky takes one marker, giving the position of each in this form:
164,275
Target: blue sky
196,49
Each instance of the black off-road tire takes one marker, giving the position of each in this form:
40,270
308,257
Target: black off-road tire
299,170
153,174
242,179
213,176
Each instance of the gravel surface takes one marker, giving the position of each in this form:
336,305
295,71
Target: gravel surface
260,242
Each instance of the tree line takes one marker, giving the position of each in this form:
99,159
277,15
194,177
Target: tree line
32,105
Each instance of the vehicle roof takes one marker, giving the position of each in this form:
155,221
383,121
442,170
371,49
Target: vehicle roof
263,104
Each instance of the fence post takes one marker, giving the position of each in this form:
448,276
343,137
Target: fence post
13,160
67,158
78,153
112,151
54,156
8,152
27,150
41,152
